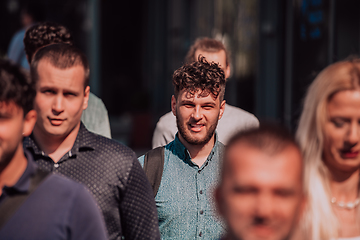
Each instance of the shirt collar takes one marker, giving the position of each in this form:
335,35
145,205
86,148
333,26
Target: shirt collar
184,154
23,184
84,141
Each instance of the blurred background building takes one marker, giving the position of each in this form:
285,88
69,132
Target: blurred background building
277,48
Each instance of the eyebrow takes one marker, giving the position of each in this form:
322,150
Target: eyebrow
192,102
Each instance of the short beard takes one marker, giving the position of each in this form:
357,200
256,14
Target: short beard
182,131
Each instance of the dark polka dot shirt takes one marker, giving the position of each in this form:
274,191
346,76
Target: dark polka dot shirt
113,174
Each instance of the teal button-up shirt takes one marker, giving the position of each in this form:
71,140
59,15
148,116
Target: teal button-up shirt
185,201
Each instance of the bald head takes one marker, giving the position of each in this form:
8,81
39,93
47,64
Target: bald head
260,195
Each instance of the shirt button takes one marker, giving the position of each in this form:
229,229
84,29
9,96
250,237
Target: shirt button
201,211
201,192
56,165
200,234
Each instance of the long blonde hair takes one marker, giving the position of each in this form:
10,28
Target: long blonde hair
319,221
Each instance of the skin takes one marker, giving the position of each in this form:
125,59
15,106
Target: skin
59,102
260,196
342,132
216,57
341,155
197,118
13,127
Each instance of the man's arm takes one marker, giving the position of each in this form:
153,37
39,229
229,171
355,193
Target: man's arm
138,211
86,221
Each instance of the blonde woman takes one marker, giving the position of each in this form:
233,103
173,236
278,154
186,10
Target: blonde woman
329,135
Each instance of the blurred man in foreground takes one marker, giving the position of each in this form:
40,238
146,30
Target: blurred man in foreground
260,195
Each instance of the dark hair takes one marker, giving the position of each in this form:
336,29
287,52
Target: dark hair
61,56
200,75
207,45
16,86
43,34
270,138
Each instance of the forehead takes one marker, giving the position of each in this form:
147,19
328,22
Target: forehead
69,77
248,165
10,108
218,57
345,102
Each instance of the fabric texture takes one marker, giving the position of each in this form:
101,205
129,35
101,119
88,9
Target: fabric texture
184,200
95,117
114,176
234,119
58,209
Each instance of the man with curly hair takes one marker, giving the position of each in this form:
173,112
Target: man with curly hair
191,161
95,117
234,118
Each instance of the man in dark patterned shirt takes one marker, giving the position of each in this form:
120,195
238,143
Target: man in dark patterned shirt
61,143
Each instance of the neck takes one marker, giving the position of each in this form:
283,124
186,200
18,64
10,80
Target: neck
12,172
198,153
55,146
344,185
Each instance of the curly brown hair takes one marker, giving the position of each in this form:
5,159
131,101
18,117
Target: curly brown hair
200,75
43,34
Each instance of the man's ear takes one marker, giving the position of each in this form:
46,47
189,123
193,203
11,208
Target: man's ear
86,97
173,105
222,109
29,122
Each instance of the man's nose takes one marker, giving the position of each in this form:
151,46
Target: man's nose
58,104
197,113
264,207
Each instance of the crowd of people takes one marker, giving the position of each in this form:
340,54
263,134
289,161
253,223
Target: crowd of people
214,171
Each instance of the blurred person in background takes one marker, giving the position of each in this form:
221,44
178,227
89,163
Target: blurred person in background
95,117
35,204
234,118
30,14
260,194
61,143
329,136
187,168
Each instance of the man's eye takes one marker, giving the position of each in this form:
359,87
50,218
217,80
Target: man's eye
208,107
69,94
244,190
48,91
4,116
189,105
284,193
